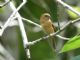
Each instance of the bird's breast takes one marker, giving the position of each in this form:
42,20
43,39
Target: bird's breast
47,26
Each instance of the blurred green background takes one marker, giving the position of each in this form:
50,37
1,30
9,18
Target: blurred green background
11,39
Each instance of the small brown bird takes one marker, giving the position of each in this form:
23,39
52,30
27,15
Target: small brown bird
48,27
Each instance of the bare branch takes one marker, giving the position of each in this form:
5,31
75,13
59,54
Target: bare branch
61,37
23,33
10,18
68,7
4,4
5,53
53,34
29,21
21,25
16,14
76,20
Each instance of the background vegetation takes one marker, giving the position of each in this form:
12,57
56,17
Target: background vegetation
11,39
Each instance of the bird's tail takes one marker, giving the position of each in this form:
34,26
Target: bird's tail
52,43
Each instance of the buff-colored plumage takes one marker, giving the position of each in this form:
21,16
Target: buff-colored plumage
47,25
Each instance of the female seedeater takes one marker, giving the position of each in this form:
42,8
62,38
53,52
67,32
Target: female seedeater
48,27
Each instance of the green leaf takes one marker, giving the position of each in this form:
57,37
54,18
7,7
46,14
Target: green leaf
73,43
73,15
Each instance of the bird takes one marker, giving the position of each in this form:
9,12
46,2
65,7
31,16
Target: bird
48,28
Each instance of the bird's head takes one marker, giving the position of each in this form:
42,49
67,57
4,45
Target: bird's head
45,17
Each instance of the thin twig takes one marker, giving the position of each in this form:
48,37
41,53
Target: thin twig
76,20
61,37
21,25
6,54
4,4
20,22
68,7
53,34
29,21
10,18
23,33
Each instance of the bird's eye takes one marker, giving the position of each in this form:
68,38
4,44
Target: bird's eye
47,17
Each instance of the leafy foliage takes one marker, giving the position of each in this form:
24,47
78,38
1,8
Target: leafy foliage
73,43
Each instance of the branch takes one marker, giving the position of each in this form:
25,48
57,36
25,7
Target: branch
4,4
5,53
29,21
61,37
15,11
10,18
53,34
68,7
16,14
21,25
